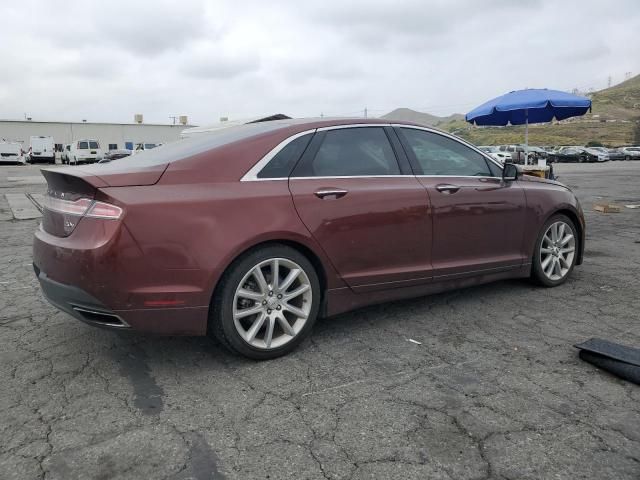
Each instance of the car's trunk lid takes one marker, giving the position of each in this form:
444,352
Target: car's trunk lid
72,191
118,174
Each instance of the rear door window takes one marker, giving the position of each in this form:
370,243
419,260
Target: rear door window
94,144
352,152
83,145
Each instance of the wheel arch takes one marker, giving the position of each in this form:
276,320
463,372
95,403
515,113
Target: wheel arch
308,252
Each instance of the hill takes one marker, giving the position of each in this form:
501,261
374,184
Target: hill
614,120
620,102
408,115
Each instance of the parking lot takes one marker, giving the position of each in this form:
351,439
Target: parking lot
473,384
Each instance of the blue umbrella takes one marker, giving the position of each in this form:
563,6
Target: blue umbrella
529,106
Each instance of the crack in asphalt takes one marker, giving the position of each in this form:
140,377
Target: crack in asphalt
494,391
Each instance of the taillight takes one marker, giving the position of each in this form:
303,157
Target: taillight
82,207
104,210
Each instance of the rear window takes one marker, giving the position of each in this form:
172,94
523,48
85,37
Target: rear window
83,145
188,147
93,144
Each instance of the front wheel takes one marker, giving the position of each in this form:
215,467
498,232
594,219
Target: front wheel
266,303
555,252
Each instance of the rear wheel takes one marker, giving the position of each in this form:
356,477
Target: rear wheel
266,303
556,251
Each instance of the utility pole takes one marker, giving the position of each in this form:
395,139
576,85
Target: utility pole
609,81
627,75
365,112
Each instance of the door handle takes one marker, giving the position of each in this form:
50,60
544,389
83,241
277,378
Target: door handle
447,188
331,192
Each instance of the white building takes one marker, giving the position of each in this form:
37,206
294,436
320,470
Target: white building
110,135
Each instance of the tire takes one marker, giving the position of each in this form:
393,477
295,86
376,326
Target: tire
627,158
228,303
546,247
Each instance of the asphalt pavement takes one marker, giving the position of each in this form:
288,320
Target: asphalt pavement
471,384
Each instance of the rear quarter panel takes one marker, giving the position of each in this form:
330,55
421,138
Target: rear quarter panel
199,229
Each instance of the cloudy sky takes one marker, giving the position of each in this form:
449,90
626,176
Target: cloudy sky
106,60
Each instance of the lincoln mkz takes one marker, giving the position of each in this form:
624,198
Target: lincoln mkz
250,233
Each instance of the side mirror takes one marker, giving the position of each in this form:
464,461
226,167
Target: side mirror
509,172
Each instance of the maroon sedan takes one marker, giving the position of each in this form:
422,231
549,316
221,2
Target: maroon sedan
249,233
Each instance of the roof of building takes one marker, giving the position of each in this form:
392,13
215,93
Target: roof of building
59,122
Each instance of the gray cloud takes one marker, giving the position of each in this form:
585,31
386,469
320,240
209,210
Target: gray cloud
107,60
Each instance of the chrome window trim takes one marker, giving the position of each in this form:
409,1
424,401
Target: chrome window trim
252,174
455,139
353,176
458,176
354,125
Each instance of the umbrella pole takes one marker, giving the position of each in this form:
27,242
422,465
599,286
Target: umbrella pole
526,136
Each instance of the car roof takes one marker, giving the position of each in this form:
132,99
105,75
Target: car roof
302,124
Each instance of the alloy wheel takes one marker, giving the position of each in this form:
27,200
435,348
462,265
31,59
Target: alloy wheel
272,303
557,251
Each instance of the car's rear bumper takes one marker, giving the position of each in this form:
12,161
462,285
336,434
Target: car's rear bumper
100,269
78,303
88,309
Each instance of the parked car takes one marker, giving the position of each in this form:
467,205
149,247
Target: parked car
11,152
42,149
615,154
83,151
630,153
496,153
115,155
536,153
517,153
572,154
249,233
601,153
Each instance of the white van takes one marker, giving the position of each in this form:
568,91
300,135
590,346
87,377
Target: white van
42,149
82,151
11,152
